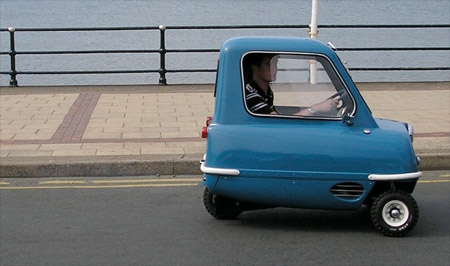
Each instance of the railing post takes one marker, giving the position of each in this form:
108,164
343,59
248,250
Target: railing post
313,34
12,54
162,53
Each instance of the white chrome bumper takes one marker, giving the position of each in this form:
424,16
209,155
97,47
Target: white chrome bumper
216,171
394,177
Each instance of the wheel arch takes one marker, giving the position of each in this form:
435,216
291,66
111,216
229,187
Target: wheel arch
382,186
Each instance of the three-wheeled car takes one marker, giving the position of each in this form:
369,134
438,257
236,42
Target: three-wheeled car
291,129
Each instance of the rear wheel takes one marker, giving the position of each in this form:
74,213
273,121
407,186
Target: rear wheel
394,213
220,207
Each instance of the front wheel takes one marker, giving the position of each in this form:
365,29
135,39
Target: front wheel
394,213
220,207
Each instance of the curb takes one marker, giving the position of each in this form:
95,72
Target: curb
106,166
429,162
142,165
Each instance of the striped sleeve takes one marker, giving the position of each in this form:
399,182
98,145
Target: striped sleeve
255,102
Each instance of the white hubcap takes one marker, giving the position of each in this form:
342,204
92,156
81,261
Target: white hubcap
395,213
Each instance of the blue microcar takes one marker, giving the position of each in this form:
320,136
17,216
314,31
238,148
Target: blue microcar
290,129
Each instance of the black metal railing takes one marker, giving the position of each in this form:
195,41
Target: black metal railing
162,51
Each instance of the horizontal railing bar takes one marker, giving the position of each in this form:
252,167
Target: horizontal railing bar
88,52
236,27
109,71
192,50
307,26
215,50
232,27
190,70
209,70
397,68
85,29
116,51
395,49
87,72
157,28
387,26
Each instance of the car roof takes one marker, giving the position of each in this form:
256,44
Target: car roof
275,44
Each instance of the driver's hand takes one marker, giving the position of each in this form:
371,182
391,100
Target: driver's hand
327,105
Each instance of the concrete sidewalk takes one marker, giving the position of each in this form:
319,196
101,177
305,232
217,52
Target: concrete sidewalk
149,130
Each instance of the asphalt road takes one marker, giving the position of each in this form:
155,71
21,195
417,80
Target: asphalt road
162,221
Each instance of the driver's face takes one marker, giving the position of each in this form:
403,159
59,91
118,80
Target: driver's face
267,70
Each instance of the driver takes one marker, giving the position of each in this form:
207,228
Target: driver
261,69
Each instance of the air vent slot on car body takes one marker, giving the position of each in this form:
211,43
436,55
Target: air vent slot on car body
347,190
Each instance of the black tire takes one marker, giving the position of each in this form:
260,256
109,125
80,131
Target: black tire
394,213
220,207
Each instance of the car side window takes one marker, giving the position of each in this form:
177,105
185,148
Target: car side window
295,85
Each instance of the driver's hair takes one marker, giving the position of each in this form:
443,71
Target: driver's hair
253,59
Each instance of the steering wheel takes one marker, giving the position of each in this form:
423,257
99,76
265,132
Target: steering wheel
342,106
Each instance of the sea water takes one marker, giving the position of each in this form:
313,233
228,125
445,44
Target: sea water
130,13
